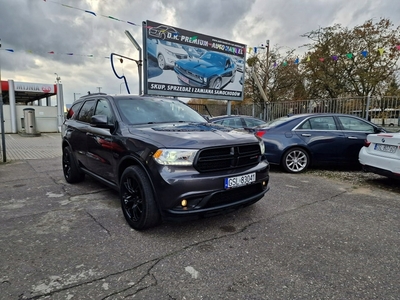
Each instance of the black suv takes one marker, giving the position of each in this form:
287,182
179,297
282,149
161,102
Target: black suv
165,159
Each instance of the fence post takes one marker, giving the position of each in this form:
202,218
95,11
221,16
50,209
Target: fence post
367,107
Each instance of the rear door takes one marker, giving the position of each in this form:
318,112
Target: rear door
101,143
323,138
77,131
355,131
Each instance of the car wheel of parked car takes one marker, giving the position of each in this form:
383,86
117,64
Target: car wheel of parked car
295,160
71,171
217,84
137,199
161,61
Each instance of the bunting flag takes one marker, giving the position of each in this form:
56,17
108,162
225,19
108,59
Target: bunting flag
335,58
54,53
92,13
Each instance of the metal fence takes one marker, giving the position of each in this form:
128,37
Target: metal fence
383,111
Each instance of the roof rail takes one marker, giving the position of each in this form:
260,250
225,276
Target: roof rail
92,94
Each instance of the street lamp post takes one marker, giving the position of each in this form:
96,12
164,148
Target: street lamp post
139,62
3,137
266,80
58,78
75,94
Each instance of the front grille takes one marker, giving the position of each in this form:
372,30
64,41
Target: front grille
225,158
181,56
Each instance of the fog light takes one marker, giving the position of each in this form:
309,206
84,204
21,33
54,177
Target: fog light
184,202
264,183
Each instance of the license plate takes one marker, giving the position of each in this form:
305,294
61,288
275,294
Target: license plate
233,182
385,148
184,79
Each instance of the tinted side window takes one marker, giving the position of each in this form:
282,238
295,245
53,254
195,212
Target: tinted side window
233,122
323,123
87,111
353,124
73,111
104,108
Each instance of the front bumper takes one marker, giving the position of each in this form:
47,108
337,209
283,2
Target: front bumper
205,193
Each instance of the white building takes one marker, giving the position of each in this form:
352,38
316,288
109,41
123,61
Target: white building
46,114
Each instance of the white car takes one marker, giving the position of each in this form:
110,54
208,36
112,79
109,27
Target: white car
165,52
381,154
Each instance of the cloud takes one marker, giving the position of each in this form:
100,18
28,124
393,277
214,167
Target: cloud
33,28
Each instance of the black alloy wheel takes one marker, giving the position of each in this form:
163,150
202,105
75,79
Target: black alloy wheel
71,171
137,199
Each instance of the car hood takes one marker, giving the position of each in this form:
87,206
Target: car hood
198,66
192,135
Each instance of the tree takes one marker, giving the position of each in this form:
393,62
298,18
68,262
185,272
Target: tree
359,61
277,74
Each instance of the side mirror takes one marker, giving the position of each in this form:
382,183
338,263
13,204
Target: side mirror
100,121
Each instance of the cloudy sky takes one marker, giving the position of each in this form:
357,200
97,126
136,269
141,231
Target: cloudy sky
33,28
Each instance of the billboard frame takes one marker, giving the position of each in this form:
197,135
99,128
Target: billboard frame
210,78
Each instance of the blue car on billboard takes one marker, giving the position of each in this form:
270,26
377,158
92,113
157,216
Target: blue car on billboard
212,70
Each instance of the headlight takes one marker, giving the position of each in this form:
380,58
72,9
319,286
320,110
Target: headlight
170,52
262,146
175,157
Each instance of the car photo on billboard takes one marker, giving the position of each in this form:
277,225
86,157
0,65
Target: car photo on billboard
165,52
183,63
212,70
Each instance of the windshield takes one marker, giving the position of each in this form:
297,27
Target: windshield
214,58
170,44
156,110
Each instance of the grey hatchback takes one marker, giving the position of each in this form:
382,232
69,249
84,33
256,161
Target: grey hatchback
166,160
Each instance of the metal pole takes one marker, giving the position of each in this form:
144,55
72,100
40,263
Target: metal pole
266,80
140,62
3,137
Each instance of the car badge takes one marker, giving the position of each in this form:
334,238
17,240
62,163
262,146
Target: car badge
383,140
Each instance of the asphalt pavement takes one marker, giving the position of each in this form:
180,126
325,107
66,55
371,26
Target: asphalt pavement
310,237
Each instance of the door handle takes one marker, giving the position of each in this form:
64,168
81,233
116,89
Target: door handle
306,134
352,137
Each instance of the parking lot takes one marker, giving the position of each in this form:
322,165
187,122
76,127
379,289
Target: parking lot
314,235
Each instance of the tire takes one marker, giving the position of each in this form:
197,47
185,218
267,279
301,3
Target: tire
72,173
161,61
137,199
295,160
217,84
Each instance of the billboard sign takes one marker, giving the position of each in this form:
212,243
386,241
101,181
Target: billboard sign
184,63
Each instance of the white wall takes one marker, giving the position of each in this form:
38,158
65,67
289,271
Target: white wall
45,118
